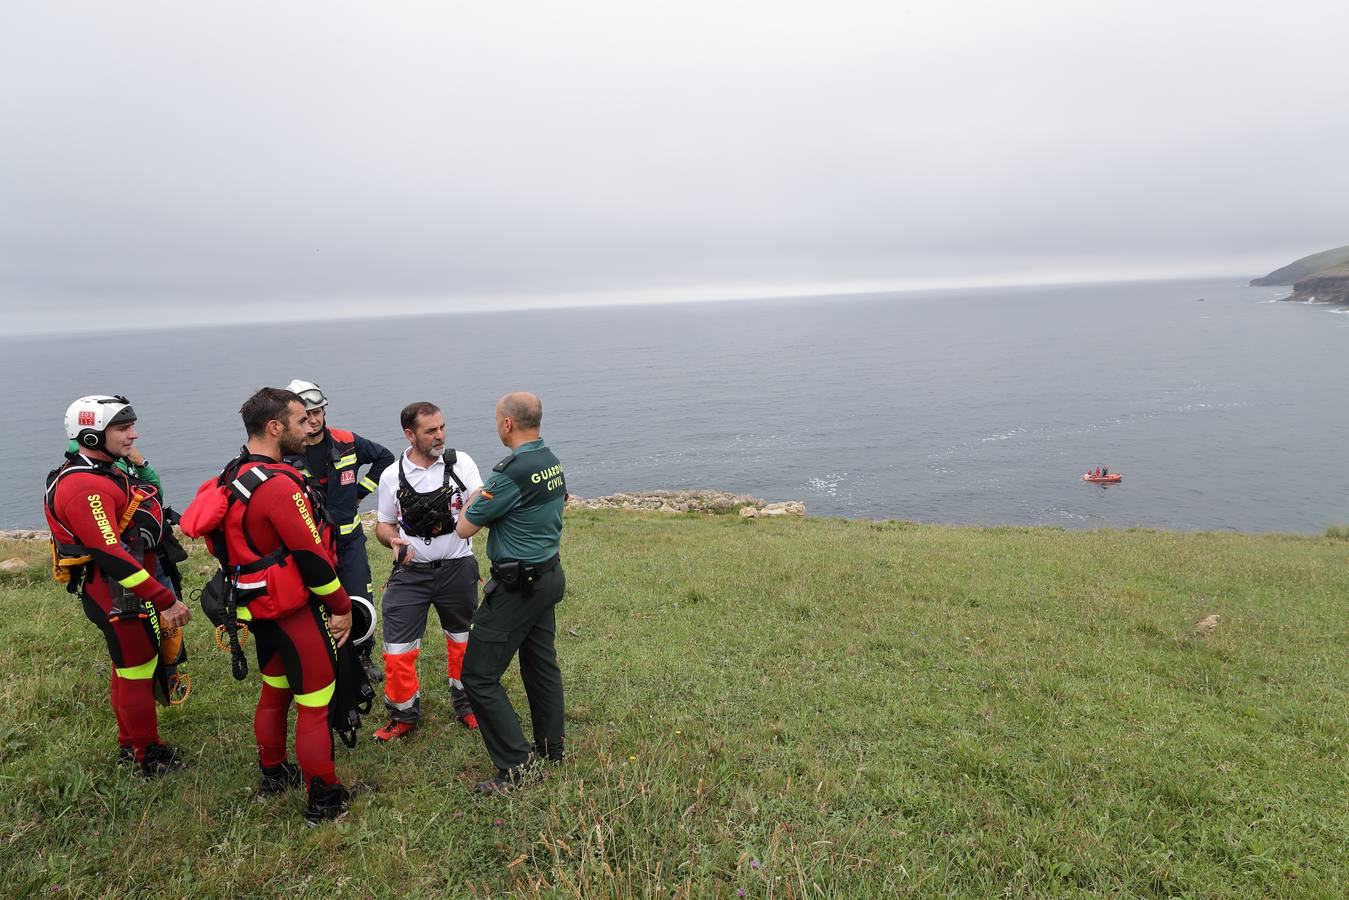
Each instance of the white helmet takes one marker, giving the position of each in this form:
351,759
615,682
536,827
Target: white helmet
363,619
310,394
88,418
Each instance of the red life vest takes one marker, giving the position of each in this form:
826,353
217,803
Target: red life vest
267,585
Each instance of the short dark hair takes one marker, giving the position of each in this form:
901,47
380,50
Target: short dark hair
269,404
408,417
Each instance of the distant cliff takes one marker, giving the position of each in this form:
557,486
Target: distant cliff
1327,286
1307,266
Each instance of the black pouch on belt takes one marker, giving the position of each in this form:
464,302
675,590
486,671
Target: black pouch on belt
508,575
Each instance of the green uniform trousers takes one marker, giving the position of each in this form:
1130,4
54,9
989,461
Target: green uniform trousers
504,623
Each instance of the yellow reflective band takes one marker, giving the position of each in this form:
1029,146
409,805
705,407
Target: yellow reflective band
368,484
317,698
276,681
345,461
352,526
243,615
326,589
134,578
139,673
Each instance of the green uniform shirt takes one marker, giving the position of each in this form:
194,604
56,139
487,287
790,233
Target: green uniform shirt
522,503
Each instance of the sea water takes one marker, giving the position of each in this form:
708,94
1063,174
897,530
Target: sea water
962,406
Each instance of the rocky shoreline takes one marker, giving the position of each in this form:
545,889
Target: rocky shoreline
715,502
1329,286
709,502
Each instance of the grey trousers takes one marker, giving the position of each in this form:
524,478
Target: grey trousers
451,586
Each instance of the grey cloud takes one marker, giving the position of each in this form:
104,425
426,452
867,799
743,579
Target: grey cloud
255,150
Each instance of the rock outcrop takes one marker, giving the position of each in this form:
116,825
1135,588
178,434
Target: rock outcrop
1302,268
679,502
25,535
1327,286
788,508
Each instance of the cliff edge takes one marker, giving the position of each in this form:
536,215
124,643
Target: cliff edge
1327,286
1307,266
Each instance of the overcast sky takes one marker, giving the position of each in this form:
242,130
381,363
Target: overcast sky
450,155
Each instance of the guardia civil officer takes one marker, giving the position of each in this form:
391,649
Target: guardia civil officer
522,505
331,460
420,497
105,524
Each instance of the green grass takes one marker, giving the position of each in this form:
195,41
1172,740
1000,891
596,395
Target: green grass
791,708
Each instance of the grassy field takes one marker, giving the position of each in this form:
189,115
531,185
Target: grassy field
788,708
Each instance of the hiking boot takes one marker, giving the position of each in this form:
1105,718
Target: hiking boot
394,730
329,802
160,760
499,785
507,780
279,778
463,710
126,755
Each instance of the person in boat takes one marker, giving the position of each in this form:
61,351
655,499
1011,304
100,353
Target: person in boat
1105,473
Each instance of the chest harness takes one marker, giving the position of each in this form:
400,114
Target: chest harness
140,527
429,515
245,571
143,526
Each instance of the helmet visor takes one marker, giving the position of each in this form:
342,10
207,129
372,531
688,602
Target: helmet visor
125,414
313,399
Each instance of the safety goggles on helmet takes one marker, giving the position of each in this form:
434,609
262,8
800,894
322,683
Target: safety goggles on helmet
310,394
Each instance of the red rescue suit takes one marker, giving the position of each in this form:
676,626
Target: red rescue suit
281,560
85,505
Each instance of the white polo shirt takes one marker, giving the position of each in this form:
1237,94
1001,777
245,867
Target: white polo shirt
447,546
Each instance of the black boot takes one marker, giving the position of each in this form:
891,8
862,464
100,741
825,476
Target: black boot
507,780
279,778
160,760
326,801
372,671
126,755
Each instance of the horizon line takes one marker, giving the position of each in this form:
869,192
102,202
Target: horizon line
414,305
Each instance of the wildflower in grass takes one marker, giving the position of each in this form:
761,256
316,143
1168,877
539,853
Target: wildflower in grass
498,822
754,864
740,892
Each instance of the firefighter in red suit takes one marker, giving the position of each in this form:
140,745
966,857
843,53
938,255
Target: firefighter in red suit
281,563
92,508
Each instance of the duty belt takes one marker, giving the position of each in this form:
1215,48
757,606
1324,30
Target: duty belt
516,575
